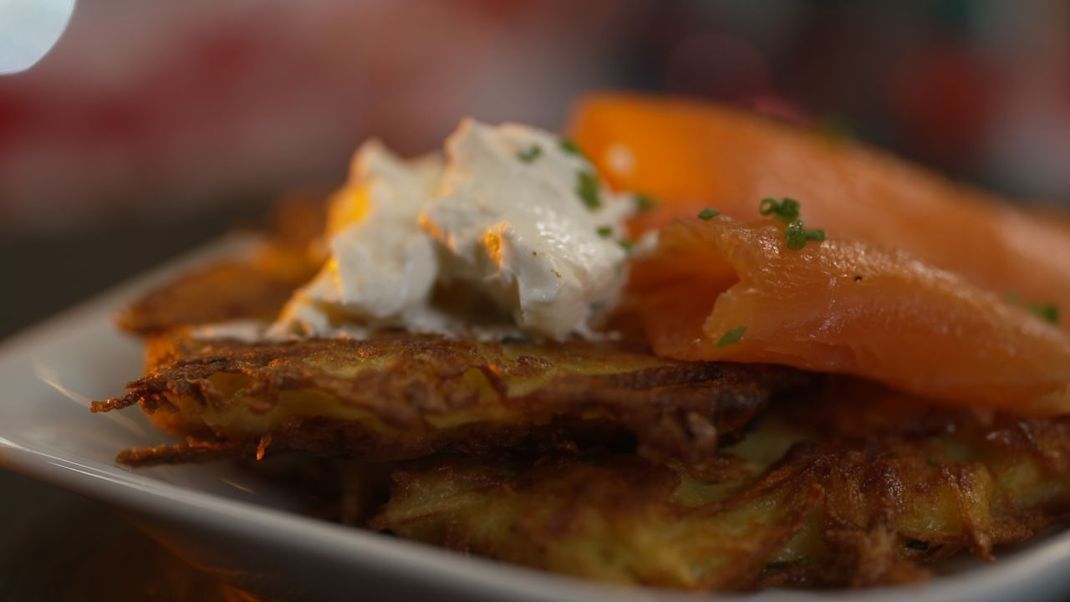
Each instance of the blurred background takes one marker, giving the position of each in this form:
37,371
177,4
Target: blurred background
153,125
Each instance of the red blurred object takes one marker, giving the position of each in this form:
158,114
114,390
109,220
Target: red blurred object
944,98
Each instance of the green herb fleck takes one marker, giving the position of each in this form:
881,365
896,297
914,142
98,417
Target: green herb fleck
785,210
588,189
626,244
707,214
604,231
1048,312
644,203
768,205
797,235
572,148
917,544
788,211
530,154
732,336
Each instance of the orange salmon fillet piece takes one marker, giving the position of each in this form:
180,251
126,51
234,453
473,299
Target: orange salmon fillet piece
692,154
846,307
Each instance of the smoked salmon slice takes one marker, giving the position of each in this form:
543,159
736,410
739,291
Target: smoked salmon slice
691,154
723,289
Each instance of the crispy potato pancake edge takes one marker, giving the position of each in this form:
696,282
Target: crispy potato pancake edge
400,395
859,508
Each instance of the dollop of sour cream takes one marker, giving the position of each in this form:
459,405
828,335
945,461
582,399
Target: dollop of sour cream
381,265
512,230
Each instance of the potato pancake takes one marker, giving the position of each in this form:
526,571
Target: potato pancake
254,286
813,497
401,395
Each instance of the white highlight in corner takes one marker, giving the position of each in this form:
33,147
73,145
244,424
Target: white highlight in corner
29,29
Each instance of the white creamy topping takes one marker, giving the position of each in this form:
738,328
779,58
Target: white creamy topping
513,231
382,265
521,231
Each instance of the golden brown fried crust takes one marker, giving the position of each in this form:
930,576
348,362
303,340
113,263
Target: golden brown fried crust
838,511
251,287
177,453
221,291
400,395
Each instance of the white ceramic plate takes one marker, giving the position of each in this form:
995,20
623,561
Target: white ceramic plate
221,518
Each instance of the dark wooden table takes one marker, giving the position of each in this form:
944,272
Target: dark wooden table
55,545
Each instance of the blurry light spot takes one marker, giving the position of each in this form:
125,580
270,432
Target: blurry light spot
620,159
29,29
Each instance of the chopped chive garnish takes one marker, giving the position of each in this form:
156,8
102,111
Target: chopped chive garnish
732,336
1049,312
626,244
572,148
644,203
789,209
707,214
786,210
604,231
795,234
588,189
530,154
